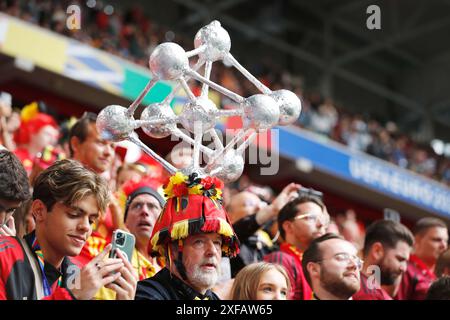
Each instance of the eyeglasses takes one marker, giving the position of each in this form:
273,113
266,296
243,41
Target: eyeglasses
140,205
313,217
346,258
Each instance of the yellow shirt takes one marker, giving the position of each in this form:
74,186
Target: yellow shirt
141,264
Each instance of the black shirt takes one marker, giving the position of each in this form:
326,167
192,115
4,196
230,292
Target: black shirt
167,286
252,249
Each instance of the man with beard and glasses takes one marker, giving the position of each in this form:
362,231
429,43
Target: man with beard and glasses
192,233
332,268
387,247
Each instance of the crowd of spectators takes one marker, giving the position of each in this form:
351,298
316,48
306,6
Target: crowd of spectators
293,227
130,34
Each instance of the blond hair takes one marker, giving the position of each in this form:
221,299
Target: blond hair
248,279
67,181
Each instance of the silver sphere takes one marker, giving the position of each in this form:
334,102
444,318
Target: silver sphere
158,111
289,104
229,168
200,112
113,123
261,112
216,40
168,61
191,169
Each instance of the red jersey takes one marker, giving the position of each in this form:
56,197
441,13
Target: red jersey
17,279
368,293
415,281
291,259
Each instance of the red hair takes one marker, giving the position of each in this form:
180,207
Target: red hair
33,126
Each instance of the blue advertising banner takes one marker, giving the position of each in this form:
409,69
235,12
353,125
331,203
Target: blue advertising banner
365,170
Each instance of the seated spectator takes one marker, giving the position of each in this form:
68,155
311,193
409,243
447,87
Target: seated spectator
356,136
422,163
332,268
399,152
382,145
325,118
261,281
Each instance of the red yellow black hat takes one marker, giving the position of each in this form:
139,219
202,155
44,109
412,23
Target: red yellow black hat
194,205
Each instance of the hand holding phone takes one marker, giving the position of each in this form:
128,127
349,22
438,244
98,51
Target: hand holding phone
123,241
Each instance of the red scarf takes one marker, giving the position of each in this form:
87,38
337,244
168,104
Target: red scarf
293,250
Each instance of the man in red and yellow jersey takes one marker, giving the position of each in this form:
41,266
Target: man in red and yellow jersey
299,222
431,239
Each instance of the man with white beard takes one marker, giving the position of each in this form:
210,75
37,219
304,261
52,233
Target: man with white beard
332,268
191,233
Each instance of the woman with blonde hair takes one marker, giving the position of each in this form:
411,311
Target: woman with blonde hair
261,281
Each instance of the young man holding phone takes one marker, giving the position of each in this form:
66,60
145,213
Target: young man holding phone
67,199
